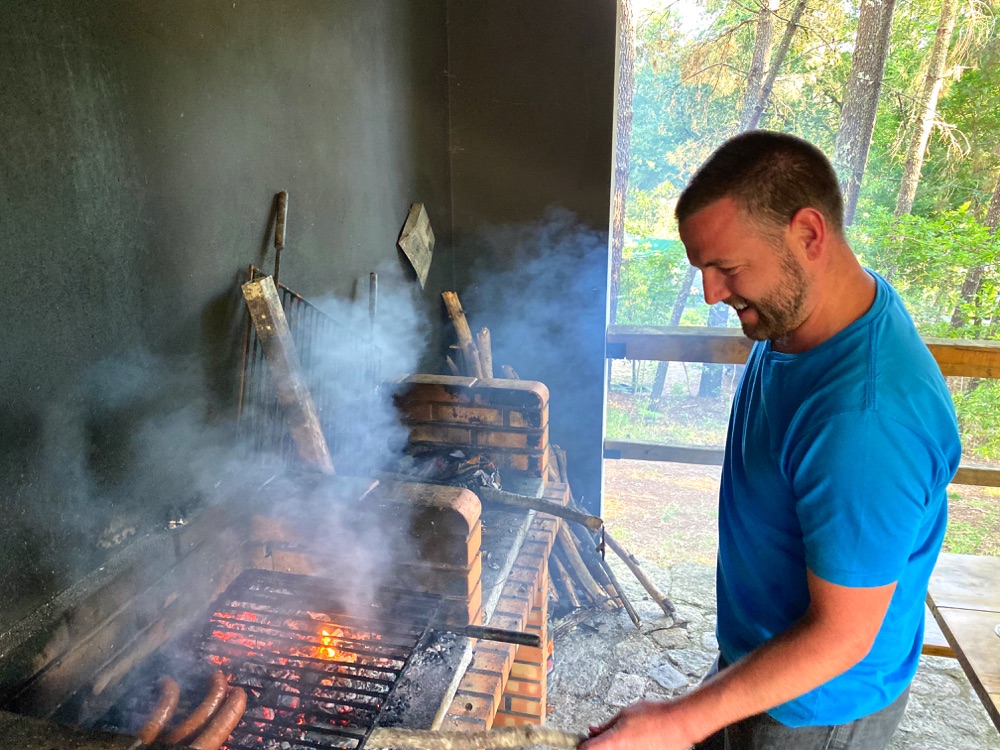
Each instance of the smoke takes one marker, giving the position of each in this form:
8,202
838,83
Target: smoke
136,445
543,297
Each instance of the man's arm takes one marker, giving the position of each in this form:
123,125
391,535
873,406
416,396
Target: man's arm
836,632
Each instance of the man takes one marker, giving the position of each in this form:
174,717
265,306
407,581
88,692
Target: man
841,442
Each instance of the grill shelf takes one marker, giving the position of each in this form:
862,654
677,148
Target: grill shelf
315,674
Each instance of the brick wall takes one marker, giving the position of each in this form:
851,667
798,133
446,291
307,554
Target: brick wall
438,535
505,684
506,420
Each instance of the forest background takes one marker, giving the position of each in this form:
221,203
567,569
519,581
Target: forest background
903,96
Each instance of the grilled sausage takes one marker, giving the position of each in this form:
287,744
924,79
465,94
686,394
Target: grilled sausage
203,712
170,694
223,723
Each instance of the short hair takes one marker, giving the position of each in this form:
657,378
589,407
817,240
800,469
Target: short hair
770,176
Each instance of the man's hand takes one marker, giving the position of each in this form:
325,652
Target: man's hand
642,726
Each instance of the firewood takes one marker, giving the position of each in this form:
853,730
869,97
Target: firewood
553,592
559,573
565,624
579,569
536,503
560,455
633,564
509,372
592,557
268,318
629,559
633,615
473,365
470,358
452,367
485,352
588,553
526,735
488,494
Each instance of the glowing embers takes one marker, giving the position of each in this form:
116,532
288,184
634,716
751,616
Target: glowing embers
316,675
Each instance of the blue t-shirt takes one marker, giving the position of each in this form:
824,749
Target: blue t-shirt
837,460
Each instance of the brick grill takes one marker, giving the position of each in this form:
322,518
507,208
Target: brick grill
68,663
506,420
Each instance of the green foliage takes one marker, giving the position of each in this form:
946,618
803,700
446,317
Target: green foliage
927,259
978,415
688,99
652,273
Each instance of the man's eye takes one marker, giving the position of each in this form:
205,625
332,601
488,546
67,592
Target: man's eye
730,271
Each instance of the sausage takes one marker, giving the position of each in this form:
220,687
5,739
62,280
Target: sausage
170,694
203,712
223,723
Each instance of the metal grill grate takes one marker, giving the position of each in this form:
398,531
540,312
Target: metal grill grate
340,366
316,676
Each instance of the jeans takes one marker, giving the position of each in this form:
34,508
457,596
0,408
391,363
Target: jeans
761,732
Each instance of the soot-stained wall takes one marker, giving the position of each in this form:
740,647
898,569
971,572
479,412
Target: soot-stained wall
532,103
143,145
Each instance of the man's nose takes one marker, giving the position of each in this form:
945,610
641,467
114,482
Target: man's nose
714,287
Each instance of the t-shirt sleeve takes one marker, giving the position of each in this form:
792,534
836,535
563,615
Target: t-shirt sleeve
862,484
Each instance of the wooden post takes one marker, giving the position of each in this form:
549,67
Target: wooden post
485,352
473,364
282,357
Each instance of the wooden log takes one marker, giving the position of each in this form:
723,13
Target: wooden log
579,568
661,599
630,560
570,621
560,462
452,367
485,347
490,495
633,615
268,318
588,552
526,735
553,592
473,365
509,372
562,575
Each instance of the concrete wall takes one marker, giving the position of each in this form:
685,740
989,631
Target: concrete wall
532,102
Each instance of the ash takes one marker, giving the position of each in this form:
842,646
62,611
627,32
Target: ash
420,691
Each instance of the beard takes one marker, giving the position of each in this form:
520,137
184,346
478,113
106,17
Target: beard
782,309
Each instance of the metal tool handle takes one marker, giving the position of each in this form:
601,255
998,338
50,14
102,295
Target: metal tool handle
503,636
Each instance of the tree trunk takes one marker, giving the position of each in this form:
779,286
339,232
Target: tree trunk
763,41
710,385
676,312
753,118
974,276
623,138
927,108
864,84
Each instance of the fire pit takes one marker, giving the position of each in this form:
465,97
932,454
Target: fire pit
315,672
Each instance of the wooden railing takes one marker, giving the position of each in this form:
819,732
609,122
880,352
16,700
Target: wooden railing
974,359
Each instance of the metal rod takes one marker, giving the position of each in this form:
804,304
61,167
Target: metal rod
502,636
280,218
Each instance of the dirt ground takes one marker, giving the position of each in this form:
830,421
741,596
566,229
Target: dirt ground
667,512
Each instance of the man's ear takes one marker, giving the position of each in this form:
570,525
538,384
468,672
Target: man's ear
807,231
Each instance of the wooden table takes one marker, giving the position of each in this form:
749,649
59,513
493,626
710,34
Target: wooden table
964,595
